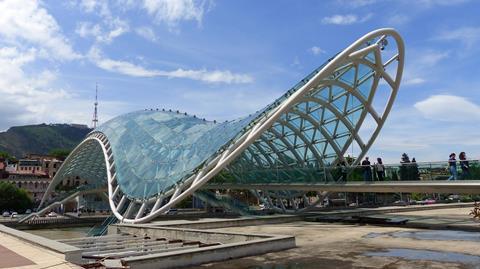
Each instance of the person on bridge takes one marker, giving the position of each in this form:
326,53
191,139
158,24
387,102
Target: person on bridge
464,165
367,171
343,171
380,168
452,167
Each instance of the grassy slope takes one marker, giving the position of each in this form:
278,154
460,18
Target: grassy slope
40,139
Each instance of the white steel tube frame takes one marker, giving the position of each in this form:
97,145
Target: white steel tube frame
222,159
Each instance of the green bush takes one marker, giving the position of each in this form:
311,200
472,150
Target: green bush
60,154
13,198
474,171
418,196
466,199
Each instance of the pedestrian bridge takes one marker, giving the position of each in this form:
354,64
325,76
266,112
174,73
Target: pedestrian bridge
423,177
289,154
425,186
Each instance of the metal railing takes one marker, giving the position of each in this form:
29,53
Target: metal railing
411,171
61,199
102,228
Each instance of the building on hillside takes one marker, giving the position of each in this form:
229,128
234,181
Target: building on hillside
34,183
34,173
29,166
47,164
50,165
11,167
80,126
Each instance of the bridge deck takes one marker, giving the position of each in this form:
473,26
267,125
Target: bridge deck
424,186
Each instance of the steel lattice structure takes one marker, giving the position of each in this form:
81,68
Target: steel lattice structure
152,160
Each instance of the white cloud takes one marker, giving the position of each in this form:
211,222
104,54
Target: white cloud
96,6
296,62
116,27
130,69
413,81
398,19
422,66
28,22
215,76
147,33
29,97
356,3
468,36
431,3
346,19
88,5
316,50
430,58
428,138
30,94
87,29
448,108
121,67
174,11
108,29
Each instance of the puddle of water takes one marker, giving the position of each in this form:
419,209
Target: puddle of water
443,235
415,254
375,235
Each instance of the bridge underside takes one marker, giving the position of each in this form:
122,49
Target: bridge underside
426,186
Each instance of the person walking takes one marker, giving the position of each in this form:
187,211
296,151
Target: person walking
367,170
380,168
452,167
343,171
464,165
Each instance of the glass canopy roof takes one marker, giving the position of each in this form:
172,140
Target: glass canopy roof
153,150
156,149
150,160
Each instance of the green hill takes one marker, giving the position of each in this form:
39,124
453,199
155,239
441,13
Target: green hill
42,138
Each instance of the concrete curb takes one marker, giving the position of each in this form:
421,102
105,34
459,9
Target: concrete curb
385,210
233,245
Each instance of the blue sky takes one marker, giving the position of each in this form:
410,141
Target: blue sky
225,59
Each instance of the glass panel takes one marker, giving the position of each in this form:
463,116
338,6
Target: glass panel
163,147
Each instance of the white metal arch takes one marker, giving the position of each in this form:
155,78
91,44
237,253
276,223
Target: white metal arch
144,210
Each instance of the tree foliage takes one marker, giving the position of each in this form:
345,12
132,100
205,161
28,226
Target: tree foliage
59,153
5,155
408,169
13,198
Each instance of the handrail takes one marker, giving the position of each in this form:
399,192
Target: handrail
57,203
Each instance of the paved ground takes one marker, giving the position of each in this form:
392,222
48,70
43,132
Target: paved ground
347,246
15,253
12,259
452,218
322,245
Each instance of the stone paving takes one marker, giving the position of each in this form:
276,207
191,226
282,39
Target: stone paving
320,245
326,245
15,253
12,259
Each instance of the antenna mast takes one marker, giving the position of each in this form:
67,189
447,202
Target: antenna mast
95,116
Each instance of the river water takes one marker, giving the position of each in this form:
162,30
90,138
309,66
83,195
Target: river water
61,233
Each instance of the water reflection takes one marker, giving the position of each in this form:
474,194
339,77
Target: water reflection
416,254
442,235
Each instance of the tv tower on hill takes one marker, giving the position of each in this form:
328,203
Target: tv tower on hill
95,115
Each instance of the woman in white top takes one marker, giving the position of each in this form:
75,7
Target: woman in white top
380,168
